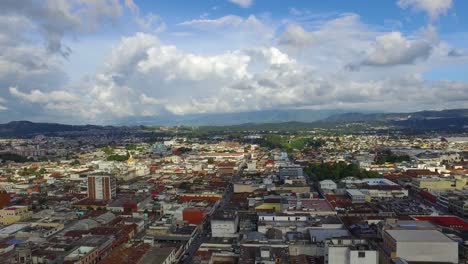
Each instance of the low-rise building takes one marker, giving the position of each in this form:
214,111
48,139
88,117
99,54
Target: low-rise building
327,185
224,224
415,244
13,214
350,251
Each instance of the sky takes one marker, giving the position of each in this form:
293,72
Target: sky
98,61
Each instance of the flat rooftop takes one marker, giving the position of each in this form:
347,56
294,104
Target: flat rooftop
156,255
418,236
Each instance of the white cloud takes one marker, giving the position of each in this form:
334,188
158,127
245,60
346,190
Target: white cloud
144,99
57,18
393,49
37,96
251,23
296,36
230,32
251,68
130,4
434,8
2,108
242,3
145,77
151,23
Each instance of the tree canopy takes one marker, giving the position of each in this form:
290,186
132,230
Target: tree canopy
337,171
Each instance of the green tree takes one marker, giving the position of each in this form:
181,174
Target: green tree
337,171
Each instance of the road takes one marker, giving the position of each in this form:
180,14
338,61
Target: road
205,233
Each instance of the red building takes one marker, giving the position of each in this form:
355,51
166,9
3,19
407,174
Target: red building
451,221
4,199
188,197
428,196
194,216
157,191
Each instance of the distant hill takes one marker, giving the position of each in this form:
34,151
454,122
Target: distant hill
228,119
398,117
25,128
454,120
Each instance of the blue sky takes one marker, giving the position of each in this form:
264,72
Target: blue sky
100,61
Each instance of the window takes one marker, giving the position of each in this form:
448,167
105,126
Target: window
361,254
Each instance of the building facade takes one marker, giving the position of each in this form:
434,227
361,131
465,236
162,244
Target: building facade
101,187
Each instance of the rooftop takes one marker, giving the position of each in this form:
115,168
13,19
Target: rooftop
418,236
156,255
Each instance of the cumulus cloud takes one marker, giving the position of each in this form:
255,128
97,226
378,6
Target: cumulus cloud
296,36
143,76
242,3
434,8
56,19
393,49
304,66
37,96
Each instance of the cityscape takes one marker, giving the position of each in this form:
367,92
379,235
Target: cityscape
233,131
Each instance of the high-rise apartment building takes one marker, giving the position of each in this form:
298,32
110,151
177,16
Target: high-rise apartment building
101,187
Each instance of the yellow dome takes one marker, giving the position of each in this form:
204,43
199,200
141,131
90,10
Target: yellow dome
131,160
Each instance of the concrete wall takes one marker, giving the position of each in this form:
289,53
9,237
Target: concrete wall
223,228
431,252
370,257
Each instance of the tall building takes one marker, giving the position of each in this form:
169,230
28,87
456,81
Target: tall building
101,187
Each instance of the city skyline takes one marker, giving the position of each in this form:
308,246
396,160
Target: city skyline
98,61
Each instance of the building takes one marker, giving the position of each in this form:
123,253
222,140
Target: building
418,245
290,171
224,224
159,255
82,255
194,216
356,196
13,214
349,251
438,183
327,185
4,199
458,204
101,187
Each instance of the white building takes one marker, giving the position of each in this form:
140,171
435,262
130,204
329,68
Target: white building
327,185
356,195
420,245
349,251
290,171
224,225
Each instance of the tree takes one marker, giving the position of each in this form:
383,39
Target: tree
388,156
130,147
337,171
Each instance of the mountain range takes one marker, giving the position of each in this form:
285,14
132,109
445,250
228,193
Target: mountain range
228,119
453,119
